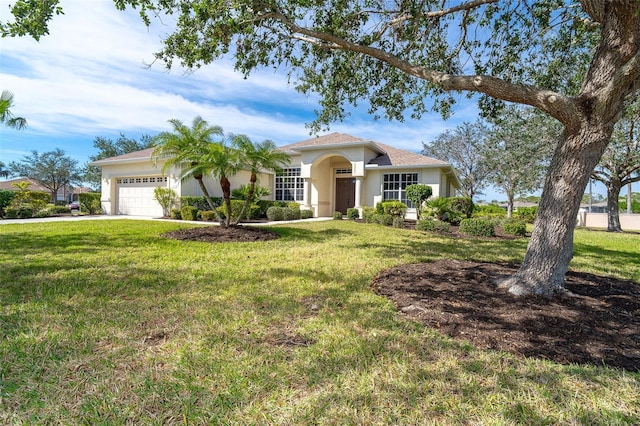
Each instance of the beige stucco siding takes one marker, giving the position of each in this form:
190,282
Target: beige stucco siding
113,172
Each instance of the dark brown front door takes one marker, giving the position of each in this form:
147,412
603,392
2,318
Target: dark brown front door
345,194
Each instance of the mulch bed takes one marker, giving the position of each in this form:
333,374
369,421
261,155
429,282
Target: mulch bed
599,324
218,234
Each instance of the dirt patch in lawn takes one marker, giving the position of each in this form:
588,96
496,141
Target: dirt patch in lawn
218,234
599,324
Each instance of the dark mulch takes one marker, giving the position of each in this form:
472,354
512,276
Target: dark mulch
599,324
217,234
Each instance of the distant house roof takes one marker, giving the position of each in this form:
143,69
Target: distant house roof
144,154
387,155
34,185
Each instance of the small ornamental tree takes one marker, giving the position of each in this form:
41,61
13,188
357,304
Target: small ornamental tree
167,198
418,194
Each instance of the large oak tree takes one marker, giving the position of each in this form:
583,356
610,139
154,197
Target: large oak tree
415,55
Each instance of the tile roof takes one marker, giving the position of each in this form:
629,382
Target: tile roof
136,155
391,156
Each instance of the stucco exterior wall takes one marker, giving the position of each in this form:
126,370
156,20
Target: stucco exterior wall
110,173
628,222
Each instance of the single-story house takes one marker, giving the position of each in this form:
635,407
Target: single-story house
327,173
66,193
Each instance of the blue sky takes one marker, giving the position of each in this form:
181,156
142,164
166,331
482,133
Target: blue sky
90,78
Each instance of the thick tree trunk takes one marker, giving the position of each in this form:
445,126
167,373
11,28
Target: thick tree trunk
551,246
509,206
613,215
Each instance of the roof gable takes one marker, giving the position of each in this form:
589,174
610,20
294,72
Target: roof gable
389,156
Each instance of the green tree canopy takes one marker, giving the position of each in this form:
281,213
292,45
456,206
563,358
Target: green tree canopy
107,148
465,148
519,147
53,170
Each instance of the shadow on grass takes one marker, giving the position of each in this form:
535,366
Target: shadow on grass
603,260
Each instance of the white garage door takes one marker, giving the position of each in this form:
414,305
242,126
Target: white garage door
135,195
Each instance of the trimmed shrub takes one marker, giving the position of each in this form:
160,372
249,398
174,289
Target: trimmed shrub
463,206
526,214
432,225
337,215
291,214
418,193
90,202
293,205
265,204
199,202
189,213
394,208
5,199
306,214
236,208
59,209
46,212
367,211
488,210
208,215
275,213
175,214
353,214
383,219
477,227
380,208
514,227
397,221
22,212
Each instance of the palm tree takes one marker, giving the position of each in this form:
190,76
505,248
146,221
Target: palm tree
222,162
6,117
256,157
187,145
3,172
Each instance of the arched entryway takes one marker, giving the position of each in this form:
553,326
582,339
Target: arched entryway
333,186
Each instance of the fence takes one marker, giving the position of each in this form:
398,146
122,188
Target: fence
628,222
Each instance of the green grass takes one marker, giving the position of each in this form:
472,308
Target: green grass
108,323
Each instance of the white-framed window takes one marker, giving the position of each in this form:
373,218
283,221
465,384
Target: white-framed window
395,184
343,171
289,185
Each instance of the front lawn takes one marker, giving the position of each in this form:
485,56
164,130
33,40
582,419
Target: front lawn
107,322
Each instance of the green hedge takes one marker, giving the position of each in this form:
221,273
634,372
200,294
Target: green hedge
526,214
514,227
477,227
275,213
199,202
189,213
353,214
432,225
90,202
253,212
5,200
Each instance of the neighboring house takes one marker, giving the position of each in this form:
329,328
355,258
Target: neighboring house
65,194
327,173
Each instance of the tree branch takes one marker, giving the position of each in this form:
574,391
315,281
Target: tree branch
559,106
